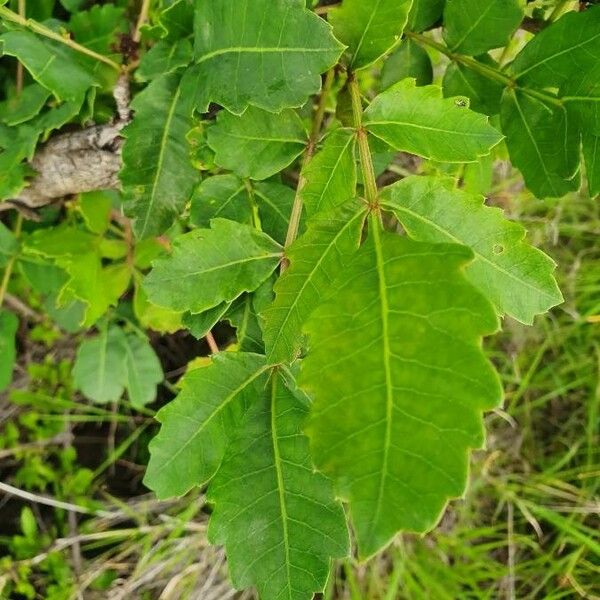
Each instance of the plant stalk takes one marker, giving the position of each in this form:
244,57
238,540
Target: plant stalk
20,75
13,17
142,18
366,160
317,124
485,70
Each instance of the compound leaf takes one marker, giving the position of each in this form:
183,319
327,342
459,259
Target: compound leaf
258,143
196,426
369,28
157,175
265,53
315,259
418,120
399,382
515,276
476,26
211,266
330,176
275,515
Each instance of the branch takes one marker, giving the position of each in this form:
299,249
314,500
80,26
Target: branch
81,161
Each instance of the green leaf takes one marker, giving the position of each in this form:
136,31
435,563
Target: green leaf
257,144
399,382
8,352
197,425
243,315
476,26
282,526
424,13
81,255
265,53
177,20
221,196
543,143
157,175
200,324
152,316
227,196
409,60
12,170
418,120
591,153
163,58
369,28
99,371
95,209
211,266
515,276
52,65
484,93
315,259
274,202
98,28
569,46
143,371
330,176
25,106
9,246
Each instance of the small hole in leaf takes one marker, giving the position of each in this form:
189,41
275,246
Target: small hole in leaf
498,249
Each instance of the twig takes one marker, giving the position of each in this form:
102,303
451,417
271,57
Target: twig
47,501
296,213
18,306
212,343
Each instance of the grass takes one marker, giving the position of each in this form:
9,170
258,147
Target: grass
527,528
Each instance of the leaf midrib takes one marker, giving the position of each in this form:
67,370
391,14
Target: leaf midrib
387,355
428,128
280,486
181,276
